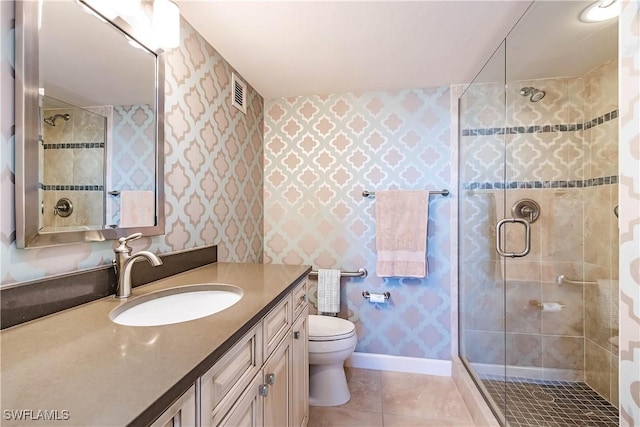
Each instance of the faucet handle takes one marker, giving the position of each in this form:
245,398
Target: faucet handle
122,243
134,236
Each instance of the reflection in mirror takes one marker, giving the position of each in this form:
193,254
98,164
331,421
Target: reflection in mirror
89,127
73,143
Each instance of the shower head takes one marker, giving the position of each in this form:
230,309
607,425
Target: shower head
51,121
534,94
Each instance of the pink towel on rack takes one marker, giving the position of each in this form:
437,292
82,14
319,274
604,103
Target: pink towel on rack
401,233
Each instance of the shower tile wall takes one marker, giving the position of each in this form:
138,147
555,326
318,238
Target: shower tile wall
574,235
602,237
73,165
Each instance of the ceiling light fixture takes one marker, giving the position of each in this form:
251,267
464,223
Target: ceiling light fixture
154,22
602,10
166,23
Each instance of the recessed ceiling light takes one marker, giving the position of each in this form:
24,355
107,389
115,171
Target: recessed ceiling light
601,10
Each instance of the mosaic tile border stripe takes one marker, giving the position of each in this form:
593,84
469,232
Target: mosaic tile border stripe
72,146
542,129
71,187
578,183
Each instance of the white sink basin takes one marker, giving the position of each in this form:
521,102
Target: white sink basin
176,305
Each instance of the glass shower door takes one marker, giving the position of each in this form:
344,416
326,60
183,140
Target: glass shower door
538,236
482,298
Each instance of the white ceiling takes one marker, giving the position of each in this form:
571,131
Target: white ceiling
293,48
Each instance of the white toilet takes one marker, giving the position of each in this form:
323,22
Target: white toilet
331,341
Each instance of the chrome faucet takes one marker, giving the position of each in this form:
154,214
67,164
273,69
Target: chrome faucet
124,262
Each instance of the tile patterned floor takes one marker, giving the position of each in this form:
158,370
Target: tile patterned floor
551,403
395,399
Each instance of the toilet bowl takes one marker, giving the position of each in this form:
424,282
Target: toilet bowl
331,342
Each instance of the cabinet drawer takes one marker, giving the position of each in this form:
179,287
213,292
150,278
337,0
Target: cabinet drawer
299,298
232,373
276,325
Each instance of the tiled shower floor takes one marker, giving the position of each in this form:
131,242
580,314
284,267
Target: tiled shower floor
550,403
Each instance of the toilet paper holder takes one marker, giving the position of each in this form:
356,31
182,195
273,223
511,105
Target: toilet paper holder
367,295
541,305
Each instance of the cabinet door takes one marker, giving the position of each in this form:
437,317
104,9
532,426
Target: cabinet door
181,414
247,410
277,325
300,371
277,375
230,376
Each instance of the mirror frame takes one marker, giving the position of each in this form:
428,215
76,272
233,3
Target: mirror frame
27,209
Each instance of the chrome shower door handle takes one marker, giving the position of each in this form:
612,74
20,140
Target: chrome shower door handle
527,237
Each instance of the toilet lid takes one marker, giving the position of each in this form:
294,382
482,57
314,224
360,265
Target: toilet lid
327,328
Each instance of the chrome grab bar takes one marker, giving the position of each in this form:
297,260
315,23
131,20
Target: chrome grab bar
561,280
362,272
527,239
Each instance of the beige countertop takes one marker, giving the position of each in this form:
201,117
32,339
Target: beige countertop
86,370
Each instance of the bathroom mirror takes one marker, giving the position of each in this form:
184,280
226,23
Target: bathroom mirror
89,127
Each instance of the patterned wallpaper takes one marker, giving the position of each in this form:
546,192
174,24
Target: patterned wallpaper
321,152
131,154
213,166
131,148
629,163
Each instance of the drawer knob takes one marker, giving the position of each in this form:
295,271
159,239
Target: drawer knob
296,335
263,389
271,379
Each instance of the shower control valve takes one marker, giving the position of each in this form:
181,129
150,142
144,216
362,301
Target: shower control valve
63,207
526,209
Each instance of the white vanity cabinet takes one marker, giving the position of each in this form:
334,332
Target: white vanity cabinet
263,379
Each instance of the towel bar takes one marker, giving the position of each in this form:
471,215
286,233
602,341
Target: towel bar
362,272
371,194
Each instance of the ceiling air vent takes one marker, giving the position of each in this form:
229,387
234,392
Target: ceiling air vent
239,93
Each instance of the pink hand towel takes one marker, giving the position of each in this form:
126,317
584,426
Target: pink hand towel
137,209
401,233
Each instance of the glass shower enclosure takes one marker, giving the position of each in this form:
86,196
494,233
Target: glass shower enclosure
538,249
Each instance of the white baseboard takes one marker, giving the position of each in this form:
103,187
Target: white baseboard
414,365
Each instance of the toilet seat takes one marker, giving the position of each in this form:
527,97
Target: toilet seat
326,328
